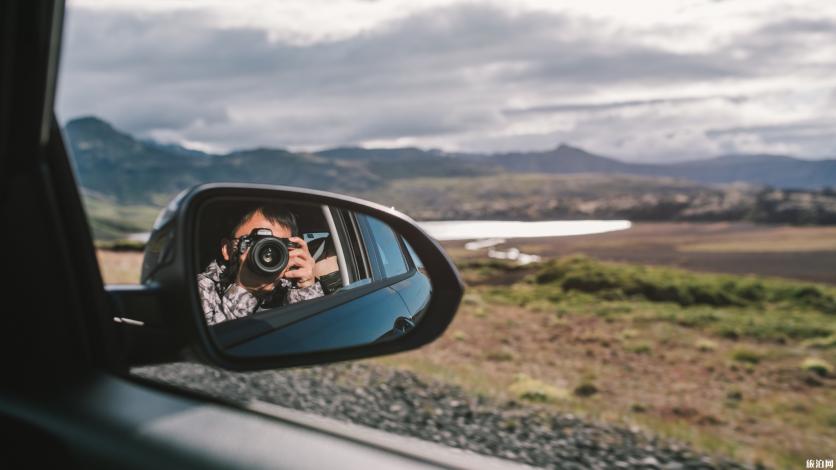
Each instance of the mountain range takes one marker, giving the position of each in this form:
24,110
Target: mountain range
121,174
769,170
137,171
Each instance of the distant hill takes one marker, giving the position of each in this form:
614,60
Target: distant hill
410,162
360,153
125,179
770,170
133,171
116,164
176,149
563,159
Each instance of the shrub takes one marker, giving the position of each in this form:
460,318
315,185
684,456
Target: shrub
813,296
817,366
734,395
502,355
638,408
526,388
747,356
705,345
629,333
585,389
827,342
639,347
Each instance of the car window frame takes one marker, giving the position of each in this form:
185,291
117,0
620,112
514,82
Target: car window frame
356,259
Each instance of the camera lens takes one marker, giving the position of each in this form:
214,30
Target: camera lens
268,256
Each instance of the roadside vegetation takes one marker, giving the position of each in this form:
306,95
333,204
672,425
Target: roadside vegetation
114,222
728,306
737,366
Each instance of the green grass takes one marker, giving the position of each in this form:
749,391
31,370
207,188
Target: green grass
727,306
818,366
828,342
529,389
705,345
502,355
615,281
111,220
639,347
747,356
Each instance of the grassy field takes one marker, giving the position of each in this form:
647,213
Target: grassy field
738,367
112,221
738,364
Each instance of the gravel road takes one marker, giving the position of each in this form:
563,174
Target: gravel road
400,402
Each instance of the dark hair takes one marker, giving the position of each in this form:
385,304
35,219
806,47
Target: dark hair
276,214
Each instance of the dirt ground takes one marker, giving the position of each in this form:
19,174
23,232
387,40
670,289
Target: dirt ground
805,253
676,382
120,267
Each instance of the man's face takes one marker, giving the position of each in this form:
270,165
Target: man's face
245,276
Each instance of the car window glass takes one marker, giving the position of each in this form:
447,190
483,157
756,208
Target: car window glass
387,248
415,259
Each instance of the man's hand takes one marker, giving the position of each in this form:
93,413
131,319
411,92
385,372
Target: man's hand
301,265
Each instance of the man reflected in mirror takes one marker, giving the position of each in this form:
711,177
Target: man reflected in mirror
230,288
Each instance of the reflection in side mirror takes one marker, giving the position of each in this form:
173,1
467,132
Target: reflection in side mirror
282,276
254,277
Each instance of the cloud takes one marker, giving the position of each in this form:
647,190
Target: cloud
465,77
573,107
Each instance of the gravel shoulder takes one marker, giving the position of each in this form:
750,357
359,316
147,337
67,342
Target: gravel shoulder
401,402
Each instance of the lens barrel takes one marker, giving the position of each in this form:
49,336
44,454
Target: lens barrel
268,256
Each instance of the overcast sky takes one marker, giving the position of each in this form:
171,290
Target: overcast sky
641,81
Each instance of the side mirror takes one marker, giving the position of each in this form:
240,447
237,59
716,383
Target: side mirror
252,277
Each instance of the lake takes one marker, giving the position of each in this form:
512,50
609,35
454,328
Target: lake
445,230
486,234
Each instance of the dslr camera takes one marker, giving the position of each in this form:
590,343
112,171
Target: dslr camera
268,255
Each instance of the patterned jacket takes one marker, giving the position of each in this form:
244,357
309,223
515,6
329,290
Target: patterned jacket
220,305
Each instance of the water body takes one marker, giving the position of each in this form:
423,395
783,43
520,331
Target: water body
486,229
486,234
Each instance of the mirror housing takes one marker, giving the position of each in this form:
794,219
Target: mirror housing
162,320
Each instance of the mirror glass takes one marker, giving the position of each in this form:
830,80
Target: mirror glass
286,277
